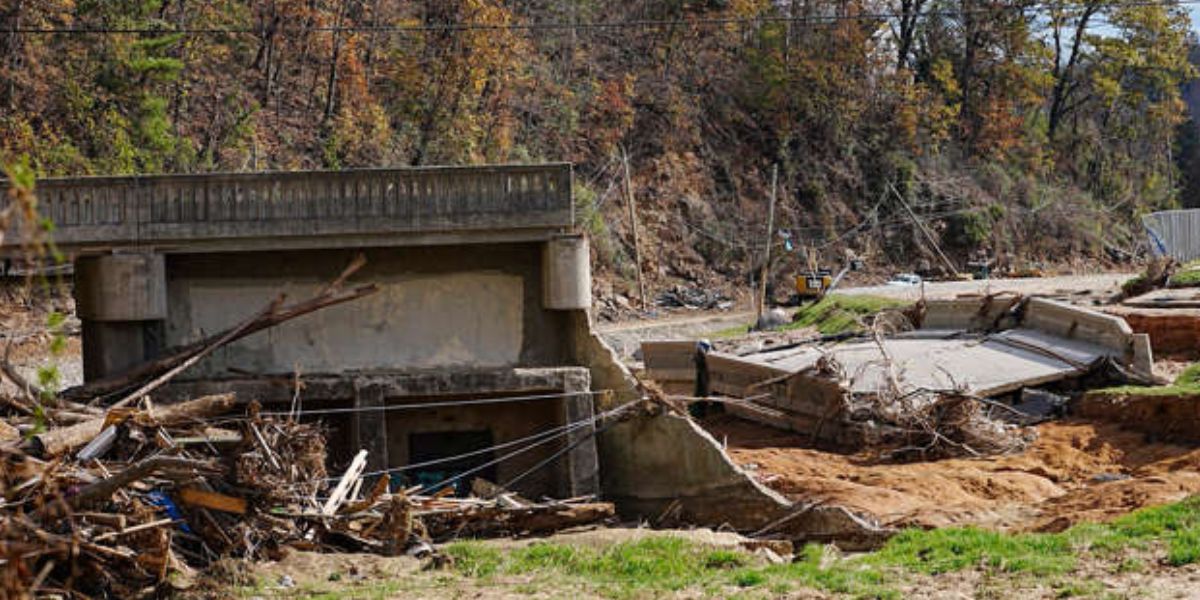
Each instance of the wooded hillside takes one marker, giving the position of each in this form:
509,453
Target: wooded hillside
1035,130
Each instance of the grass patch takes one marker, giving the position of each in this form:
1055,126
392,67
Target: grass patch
1187,382
731,332
1177,526
666,565
840,314
1188,275
944,550
1189,278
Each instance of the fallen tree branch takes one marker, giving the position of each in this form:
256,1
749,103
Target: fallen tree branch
22,384
106,487
65,439
164,369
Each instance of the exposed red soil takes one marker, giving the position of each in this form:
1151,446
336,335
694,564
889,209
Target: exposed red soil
1075,471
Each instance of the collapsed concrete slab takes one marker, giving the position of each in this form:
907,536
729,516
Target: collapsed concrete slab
666,469
978,346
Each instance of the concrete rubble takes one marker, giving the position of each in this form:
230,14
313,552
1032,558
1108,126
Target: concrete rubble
974,347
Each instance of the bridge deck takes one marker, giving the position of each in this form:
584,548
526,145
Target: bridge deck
214,212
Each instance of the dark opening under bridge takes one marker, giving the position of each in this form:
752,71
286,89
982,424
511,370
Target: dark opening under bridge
307,209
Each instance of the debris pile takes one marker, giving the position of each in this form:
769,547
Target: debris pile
155,491
693,298
112,501
934,424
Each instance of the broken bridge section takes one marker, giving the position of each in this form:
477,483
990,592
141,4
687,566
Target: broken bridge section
472,344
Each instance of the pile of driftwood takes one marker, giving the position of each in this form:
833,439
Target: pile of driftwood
113,506
104,493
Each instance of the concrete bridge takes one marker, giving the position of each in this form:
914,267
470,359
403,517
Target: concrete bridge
312,209
484,293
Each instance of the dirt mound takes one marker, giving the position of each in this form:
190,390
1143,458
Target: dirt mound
1171,417
1074,471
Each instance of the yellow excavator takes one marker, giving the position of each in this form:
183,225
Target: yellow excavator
816,282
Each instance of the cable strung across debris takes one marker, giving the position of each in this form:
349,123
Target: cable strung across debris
552,432
501,459
428,405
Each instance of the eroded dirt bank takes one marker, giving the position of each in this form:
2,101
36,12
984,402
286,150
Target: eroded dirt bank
1075,471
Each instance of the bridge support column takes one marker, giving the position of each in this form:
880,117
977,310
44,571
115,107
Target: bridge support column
581,469
368,427
567,273
121,300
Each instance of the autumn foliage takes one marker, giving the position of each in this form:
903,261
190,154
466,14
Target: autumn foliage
1032,131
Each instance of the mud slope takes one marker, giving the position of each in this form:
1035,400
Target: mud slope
1075,471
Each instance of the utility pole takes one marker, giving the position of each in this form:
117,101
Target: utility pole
928,236
761,300
633,224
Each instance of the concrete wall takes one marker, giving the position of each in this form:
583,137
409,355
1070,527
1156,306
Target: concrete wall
439,307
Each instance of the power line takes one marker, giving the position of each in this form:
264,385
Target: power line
537,437
596,418
812,20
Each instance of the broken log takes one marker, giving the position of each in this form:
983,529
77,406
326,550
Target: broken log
8,433
163,369
65,439
106,487
193,496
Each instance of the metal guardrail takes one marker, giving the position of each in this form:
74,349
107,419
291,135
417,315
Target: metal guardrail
1174,233
163,209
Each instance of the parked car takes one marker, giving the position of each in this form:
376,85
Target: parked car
905,279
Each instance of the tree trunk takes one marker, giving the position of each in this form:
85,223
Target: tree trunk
331,84
1064,79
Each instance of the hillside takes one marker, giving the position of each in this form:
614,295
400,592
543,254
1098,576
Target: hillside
1035,133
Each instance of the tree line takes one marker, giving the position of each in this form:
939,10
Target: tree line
1035,130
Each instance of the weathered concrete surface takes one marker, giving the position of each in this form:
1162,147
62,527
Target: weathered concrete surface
802,390
445,307
607,371
970,314
1051,341
1075,323
672,365
222,212
471,320
567,273
121,287
985,365
121,301
667,469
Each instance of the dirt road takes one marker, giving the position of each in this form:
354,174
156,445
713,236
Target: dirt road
1098,285
626,336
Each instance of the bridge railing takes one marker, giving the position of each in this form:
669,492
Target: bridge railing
145,210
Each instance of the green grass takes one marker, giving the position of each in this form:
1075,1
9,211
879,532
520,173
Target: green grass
657,564
1187,382
731,332
1189,278
666,565
840,314
1188,275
